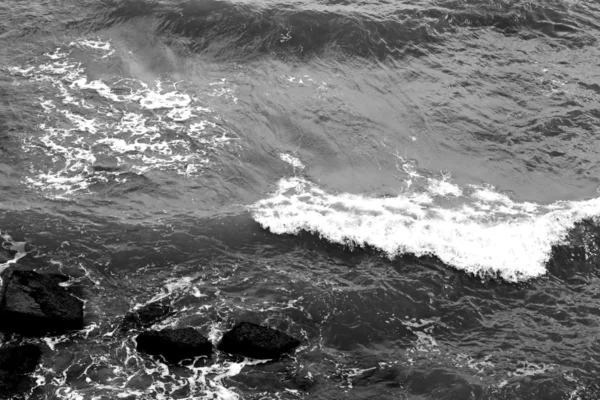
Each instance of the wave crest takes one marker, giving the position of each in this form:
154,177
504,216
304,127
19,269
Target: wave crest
485,233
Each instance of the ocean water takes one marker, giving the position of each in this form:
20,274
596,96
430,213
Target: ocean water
410,187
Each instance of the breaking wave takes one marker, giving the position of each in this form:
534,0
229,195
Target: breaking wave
473,229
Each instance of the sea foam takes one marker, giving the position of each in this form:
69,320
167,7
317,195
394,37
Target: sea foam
485,233
137,126
10,244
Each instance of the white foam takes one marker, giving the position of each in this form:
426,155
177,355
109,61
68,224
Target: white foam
503,239
293,161
94,44
139,126
425,344
170,100
407,168
444,188
527,368
18,247
56,55
180,114
487,194
53,341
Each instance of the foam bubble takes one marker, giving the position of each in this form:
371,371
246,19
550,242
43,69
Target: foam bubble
495,237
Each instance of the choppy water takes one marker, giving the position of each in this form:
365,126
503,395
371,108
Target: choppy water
409,187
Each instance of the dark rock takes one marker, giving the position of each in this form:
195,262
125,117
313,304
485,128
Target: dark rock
255,341
13,386
33,304
145,316
15,363
28,263
174,344
6,254
20,359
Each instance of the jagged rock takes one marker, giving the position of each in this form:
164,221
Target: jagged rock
145,316
255,341
33,304
174,344
15,363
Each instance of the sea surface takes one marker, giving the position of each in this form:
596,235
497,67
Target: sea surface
409,187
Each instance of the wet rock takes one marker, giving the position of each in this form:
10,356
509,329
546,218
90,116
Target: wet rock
6,254
255,341
33,304
145,316
20,359
15,363
174,344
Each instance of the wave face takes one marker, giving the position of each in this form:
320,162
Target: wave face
481,232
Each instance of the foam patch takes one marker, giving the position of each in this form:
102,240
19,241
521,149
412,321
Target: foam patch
136,126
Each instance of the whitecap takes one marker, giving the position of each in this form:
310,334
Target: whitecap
441,187
291,160
509,240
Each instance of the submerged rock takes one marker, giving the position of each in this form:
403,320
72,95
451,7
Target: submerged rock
15,363
174,344
33,304
145,316
255,341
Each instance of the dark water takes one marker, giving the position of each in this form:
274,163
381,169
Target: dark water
409,187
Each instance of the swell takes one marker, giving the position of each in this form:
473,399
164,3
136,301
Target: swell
230,30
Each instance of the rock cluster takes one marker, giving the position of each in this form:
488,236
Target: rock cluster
36,305
245,339
32,304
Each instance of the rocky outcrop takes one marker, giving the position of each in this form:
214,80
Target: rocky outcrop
33,304
255,341
174,344
145,316
15,363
